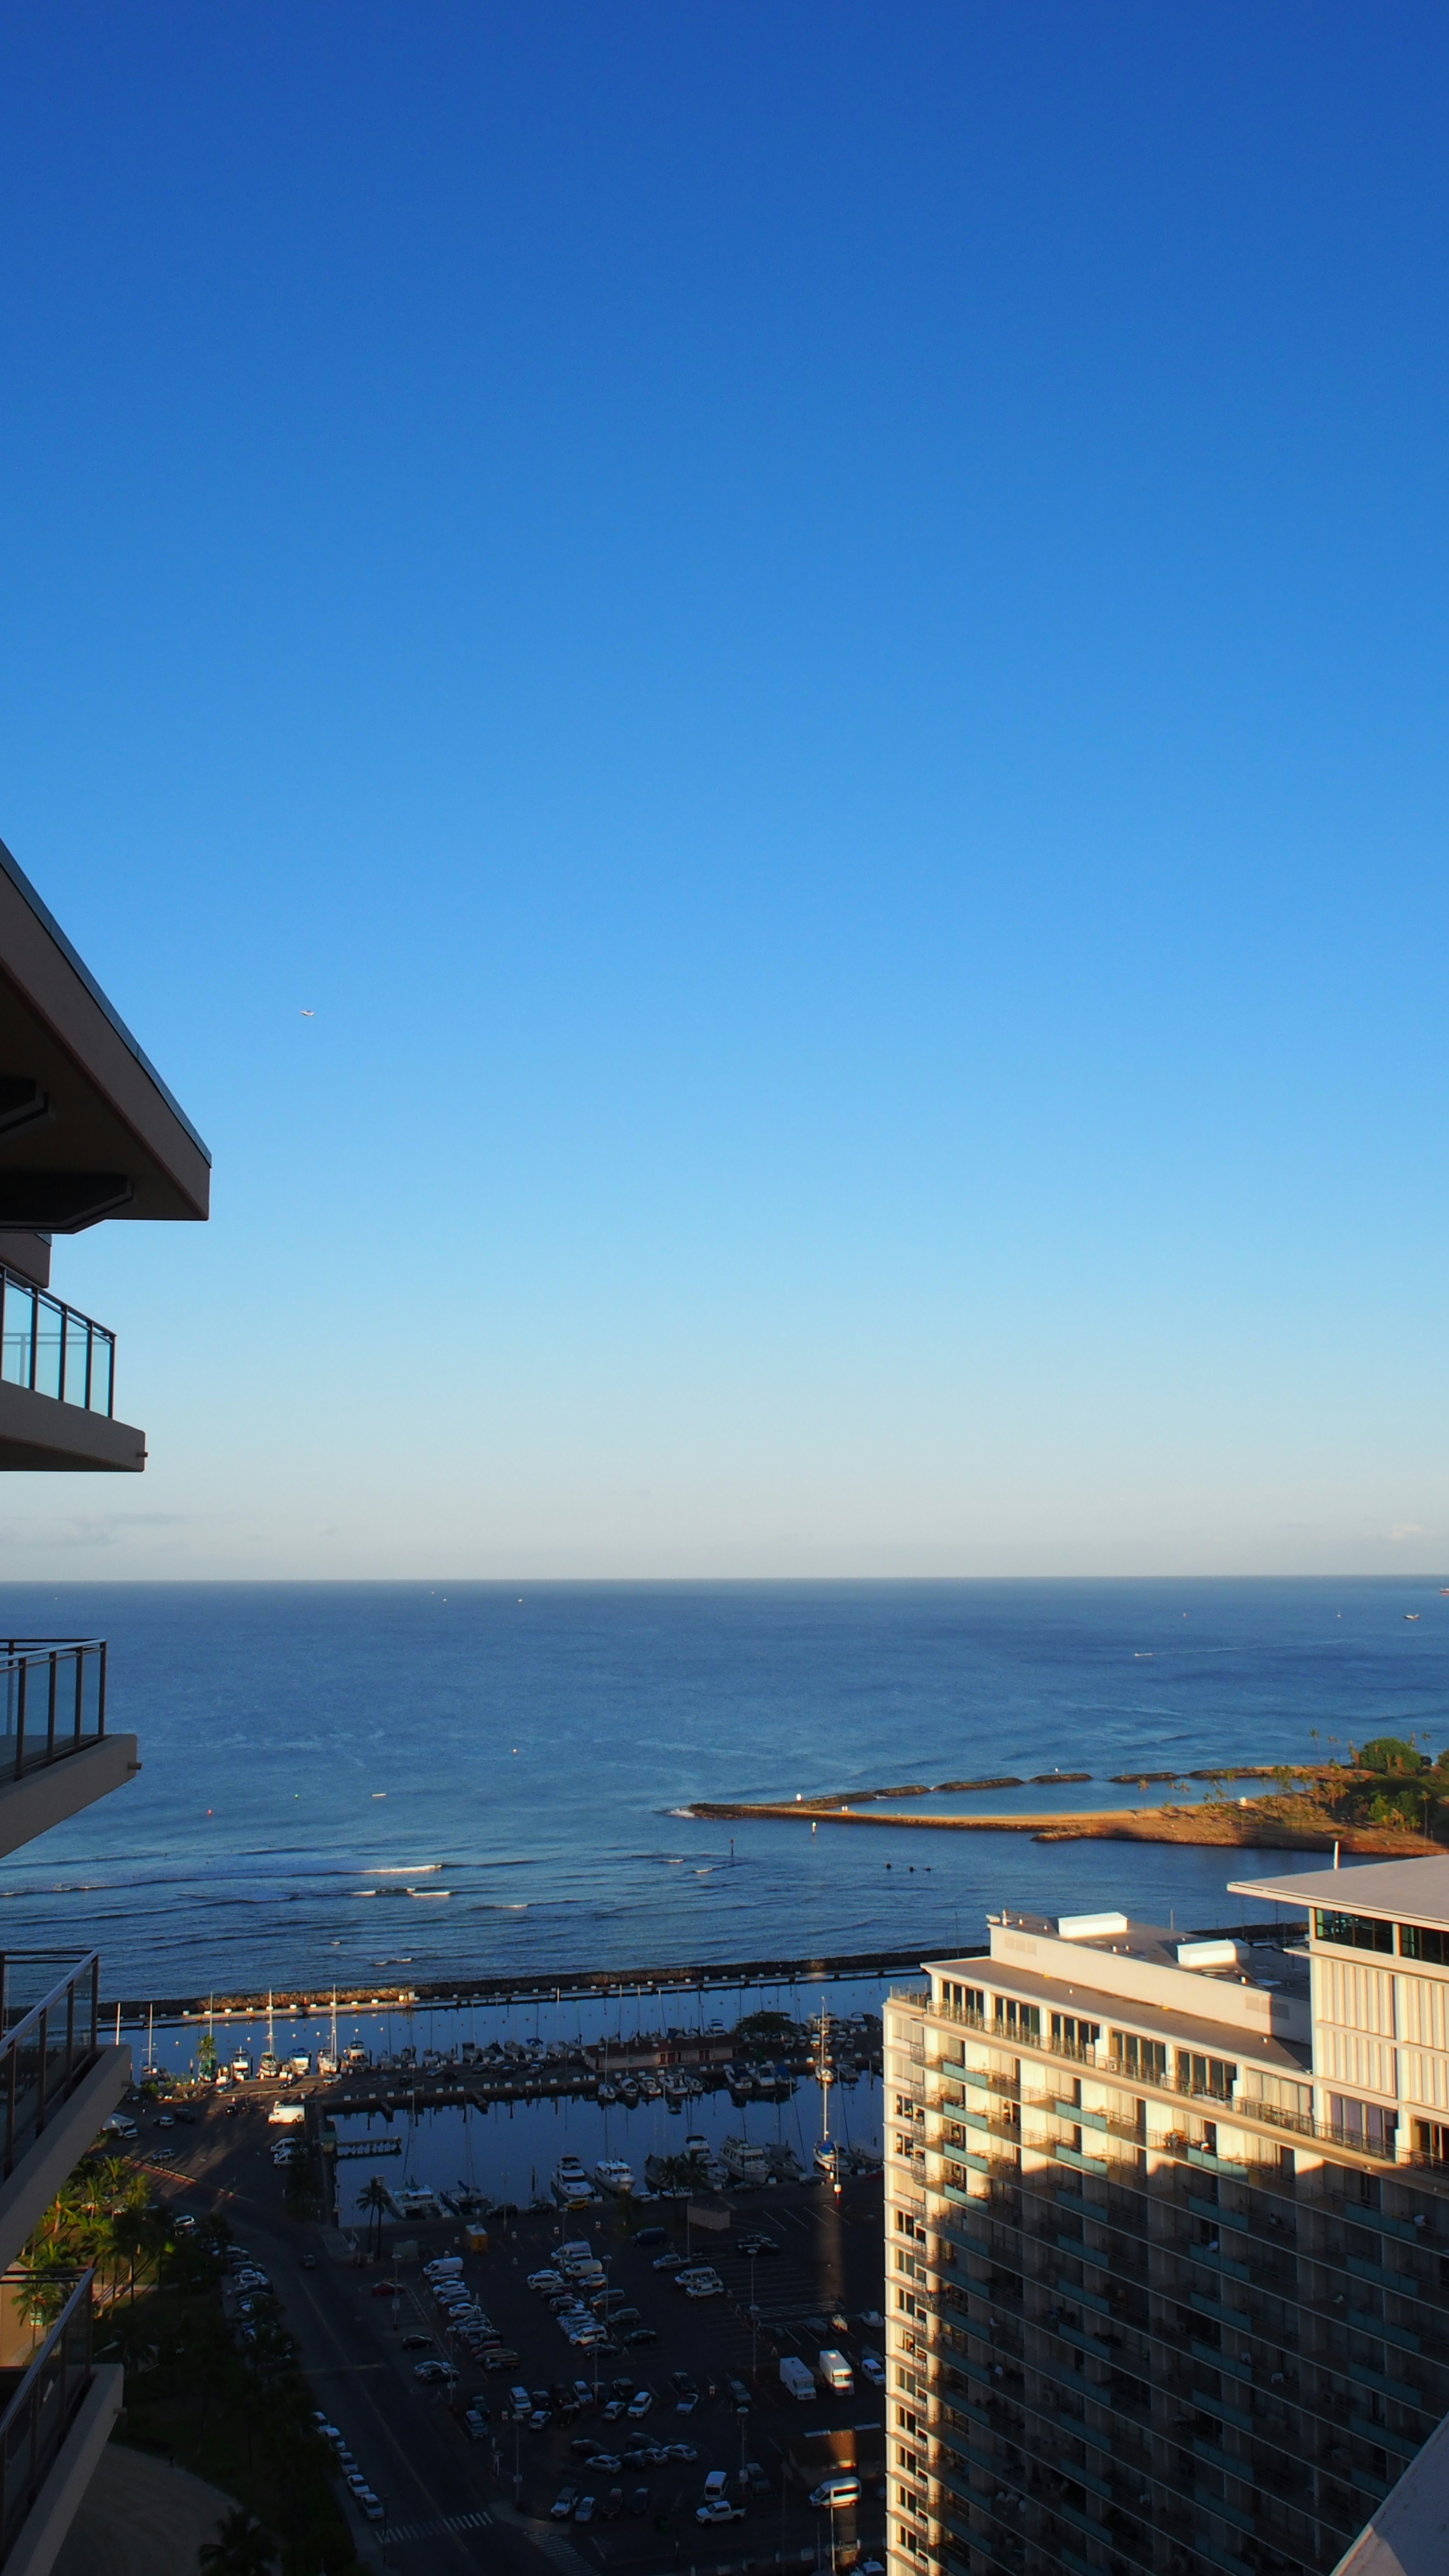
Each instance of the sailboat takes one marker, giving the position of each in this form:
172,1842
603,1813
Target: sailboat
269,2055
327,2058
829,2159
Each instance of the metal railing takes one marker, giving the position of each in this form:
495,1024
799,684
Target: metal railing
54,1349
49,2048
54,1699
42,2409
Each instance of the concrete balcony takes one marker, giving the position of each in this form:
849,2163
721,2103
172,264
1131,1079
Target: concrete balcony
57,2408
58,2083
58,1385
55,1754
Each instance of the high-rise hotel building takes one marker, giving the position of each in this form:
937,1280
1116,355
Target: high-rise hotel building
88,1131
1167,2235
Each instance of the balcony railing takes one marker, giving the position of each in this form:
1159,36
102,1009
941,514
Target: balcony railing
46,2047
54,1699
52,1348
42,2406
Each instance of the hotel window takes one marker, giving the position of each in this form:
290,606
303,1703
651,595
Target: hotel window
1417,1941
1022,2020
961,2001
1431,2139
1352,1931
1362,2123
1214,2076
1277,2092
1144,2057
1069,2032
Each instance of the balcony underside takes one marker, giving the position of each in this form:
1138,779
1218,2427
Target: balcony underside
38,2176
38,1432
52,1792
50,2517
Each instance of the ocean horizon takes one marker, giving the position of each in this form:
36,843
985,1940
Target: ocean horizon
401,1782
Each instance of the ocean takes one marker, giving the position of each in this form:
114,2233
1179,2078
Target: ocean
353,1783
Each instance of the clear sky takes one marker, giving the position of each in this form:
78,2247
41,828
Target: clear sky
817,636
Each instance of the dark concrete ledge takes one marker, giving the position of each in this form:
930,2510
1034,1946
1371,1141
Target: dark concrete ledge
38,2542
37,1431
51,1795
74,2127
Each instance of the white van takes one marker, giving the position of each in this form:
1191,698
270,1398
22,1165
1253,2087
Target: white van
835,2372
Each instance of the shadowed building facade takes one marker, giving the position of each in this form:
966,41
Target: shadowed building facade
88,1133
1167,2237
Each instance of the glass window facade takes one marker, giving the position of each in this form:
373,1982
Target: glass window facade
1024,2019
1144,2057
1420,1941
1352,1931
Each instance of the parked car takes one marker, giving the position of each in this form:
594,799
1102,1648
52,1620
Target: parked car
639,2503
835,2492
563,2504
613,2504
639,2404
719,2509
873,2369
584,2509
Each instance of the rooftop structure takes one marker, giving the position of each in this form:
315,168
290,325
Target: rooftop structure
1167,2237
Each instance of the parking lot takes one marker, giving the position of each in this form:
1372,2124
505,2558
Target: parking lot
685,2393
454,2494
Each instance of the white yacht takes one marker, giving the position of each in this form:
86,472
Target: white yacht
743,2161
570,2182
614,2175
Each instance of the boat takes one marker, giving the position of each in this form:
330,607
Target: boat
241,2069
614,2175
697,2147
629,2094
326,2062
571,2185
606,2093
415,2204
301,2064
268,2067
831,2161
744,2161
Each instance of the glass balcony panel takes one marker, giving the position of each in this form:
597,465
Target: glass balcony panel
53,1348
27,1738
77,1334
49,1333
103,1369
19,1318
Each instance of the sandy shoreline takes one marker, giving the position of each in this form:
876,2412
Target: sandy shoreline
1241,1828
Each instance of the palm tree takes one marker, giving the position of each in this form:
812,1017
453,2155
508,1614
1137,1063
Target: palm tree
373,2198
241,2547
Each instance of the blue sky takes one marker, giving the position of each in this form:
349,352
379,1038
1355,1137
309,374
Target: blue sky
817,636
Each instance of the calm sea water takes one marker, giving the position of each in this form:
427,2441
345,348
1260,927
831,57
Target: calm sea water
398,1781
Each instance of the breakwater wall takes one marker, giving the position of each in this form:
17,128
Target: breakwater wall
553,1985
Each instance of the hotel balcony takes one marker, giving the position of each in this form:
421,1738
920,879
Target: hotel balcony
58,1386
57,2409
55,1754
58,2081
